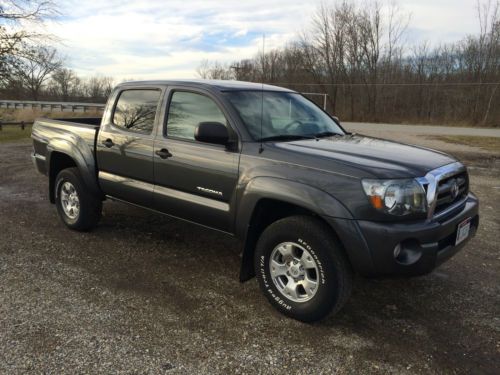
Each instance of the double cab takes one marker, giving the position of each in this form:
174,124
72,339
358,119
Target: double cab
311,202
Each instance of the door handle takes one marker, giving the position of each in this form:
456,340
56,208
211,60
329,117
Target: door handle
163,153
108,143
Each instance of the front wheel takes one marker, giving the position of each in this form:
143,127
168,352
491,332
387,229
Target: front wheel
78,208
301,268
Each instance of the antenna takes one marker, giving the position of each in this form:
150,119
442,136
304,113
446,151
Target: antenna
261,148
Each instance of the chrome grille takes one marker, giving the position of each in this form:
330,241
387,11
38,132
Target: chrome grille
451,190
446,187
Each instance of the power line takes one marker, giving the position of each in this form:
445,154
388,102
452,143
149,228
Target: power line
390,84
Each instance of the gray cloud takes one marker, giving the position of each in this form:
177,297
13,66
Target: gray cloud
148,39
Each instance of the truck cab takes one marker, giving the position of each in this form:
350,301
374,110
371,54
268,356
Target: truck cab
311,202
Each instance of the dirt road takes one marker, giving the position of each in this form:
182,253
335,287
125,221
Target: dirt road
145,294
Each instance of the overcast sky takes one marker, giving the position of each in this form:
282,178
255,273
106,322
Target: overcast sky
139,39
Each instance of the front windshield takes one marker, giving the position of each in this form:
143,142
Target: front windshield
284,115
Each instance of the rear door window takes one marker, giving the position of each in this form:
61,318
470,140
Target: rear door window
136,110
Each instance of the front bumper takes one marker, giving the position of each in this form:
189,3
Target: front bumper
370,245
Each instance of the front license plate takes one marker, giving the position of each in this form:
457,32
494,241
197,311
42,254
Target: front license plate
463,231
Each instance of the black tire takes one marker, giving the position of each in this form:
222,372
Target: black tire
335,272
90,206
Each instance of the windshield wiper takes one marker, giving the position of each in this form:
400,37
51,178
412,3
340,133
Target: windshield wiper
327,134
286,137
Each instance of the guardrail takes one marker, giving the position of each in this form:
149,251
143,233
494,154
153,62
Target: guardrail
52,106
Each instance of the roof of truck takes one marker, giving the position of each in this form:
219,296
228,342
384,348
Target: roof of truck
219,85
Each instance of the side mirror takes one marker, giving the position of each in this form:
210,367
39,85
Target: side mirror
211,132
336,119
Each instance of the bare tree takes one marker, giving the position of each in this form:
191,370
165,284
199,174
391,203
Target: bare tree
488,49
214,70
244,70
13,39
12,13
98,88
353,51
35,67
397,24
64,83
203,70
325,46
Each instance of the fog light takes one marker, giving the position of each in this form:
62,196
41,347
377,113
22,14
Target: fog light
397,250
407,252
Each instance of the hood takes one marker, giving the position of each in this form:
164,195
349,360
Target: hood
373,157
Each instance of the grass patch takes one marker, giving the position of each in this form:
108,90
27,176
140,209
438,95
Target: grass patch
486,143
11,133
29,115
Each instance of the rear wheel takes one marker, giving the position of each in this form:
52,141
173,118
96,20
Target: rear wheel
77,207
301,268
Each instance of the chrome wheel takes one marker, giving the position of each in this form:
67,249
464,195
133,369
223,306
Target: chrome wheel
70,202
294,271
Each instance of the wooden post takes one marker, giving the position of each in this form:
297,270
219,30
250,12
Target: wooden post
22,125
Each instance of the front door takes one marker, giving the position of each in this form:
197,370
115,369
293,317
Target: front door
194,180
125,146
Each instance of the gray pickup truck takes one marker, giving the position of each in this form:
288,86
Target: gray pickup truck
312,203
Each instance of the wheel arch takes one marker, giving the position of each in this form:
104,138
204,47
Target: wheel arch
63,154
58,161
266,200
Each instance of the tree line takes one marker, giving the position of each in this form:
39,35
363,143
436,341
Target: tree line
30,67
358,55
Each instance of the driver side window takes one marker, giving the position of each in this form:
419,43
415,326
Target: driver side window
187,110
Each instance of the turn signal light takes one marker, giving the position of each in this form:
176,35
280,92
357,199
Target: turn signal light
376,201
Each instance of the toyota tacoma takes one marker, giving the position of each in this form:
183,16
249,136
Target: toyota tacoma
311,202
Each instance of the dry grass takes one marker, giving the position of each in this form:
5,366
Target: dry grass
454,124
14,133
486,143
11,133
29,115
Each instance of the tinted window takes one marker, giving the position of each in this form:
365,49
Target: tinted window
187,110
136,110
271,114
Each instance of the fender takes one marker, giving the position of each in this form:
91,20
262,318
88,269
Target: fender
296,193
78,150
299,194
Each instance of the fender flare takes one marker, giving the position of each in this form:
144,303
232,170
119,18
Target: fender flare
81,154
287,191
296,193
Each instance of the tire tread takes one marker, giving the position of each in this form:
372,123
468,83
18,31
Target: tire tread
90,205
328,240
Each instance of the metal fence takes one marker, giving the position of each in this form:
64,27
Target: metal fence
52,106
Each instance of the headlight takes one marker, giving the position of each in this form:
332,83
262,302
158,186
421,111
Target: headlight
396,197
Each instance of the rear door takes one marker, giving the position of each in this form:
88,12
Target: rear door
194,180
125,145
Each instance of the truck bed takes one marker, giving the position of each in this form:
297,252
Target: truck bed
96,121
77,135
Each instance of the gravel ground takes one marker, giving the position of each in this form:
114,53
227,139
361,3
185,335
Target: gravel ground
145,294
